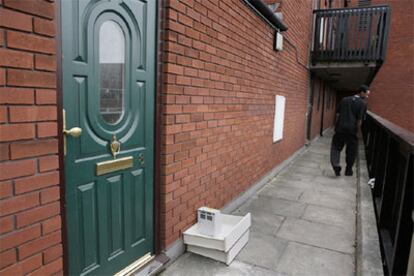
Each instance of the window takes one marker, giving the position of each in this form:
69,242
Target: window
111,70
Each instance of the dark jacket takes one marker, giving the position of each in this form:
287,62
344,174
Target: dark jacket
350,110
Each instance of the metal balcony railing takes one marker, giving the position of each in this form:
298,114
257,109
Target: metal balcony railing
351,34
390,157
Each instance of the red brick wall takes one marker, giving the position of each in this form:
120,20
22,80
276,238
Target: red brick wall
30,222
392,90
221,77
324,4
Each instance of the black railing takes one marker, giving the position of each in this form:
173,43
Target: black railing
351,34
389,152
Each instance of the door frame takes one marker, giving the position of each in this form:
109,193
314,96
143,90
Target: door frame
309,109
160,8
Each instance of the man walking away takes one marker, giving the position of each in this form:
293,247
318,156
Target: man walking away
351,111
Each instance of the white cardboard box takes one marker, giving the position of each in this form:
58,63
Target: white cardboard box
232,229
208,221
225,257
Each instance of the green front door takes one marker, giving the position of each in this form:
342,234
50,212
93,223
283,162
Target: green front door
108,81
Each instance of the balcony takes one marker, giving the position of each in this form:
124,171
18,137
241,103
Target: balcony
349,45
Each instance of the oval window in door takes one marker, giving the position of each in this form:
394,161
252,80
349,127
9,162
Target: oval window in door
111,70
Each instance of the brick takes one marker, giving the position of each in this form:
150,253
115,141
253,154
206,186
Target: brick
36,148
176,27
16,204
19,237
38,245
45,27
36,7
15,132
46,130
26,78
49,269
49,195
15,20
51,225
37,214
1,38
52,253
48,163
185,20
2,77
4,152
32,113
10,95
39,181
175,69
4,117
30,42
172,15
173,109
47,63
182,99
14,169
12,58
182,118
45,96
6,189
23,267
7,258
6,224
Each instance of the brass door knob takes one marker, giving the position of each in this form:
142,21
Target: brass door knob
74,131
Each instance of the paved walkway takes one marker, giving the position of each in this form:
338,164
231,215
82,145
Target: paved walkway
303,223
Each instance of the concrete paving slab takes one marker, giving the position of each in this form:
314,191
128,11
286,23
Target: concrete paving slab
330,197
304,185
278,206
193,265
262,222
337,182
307,164
341,218
321,150
263,250
300,259
308,159
332,180
317,234
290,175
285,192
304,171
309,184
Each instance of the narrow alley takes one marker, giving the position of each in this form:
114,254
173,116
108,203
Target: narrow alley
123,123
303,223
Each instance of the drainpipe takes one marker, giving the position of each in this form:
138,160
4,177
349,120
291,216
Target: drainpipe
323,109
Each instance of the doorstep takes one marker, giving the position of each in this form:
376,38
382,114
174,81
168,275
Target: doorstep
153,267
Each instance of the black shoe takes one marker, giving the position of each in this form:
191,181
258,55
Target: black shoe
337,171
348,171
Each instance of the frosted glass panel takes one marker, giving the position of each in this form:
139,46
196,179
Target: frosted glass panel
111,70
279,118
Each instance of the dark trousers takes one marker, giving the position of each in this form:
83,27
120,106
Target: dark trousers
339,140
